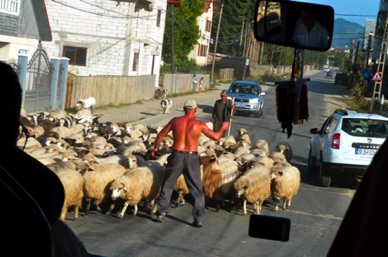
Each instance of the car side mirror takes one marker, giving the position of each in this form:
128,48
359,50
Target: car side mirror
286,23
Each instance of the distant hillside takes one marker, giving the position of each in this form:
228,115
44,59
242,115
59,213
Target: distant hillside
345,31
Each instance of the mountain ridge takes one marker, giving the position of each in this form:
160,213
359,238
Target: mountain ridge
344,32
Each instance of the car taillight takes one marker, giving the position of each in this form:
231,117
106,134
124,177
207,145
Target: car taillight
336,141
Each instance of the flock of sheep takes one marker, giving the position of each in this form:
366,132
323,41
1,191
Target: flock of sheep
110,163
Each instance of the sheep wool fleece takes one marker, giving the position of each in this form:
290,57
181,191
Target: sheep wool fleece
188,164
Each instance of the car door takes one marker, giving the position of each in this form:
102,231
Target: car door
318,141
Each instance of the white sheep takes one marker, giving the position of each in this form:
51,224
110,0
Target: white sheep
134,146
243,136
87,103
285,148
261,144
260,161
285,183
278,157
227,141
97,183
254,186
141,183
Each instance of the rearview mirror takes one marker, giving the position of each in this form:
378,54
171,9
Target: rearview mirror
294,24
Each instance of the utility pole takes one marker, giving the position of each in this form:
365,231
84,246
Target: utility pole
215,46
172,41
354,62
247,49
241,34
376,96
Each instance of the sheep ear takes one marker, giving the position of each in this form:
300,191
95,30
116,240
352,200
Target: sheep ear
124,187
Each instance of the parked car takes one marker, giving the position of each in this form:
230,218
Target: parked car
330,73
248,97
340,78
346,144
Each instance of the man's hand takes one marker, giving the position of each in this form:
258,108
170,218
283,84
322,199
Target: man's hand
154,153
225,125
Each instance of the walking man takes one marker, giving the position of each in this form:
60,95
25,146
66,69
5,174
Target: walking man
186,130
222,111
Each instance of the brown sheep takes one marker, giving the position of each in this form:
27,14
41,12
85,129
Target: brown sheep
254,186
72,182
181,188
218,179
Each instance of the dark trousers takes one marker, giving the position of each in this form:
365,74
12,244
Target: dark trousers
217,125
189,165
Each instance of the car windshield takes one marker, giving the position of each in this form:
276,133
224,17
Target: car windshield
365,127
245,89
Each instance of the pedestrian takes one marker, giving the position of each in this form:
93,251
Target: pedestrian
194,83
186,130
200,84
222,111
35,199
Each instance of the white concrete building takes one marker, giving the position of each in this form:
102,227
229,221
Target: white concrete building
105,37
201,50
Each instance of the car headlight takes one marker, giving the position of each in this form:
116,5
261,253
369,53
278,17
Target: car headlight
253,100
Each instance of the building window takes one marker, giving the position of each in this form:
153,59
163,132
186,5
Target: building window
159,16
10,6
202,50
77,55
135,61
208,26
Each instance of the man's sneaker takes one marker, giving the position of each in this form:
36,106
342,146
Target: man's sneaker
160,217
197,224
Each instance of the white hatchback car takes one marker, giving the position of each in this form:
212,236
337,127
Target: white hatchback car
346,144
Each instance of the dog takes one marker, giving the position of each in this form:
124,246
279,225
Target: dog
87,103
162,93
166,105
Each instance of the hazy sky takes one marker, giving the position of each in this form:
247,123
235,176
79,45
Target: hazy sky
352,10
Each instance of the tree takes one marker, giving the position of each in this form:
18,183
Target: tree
236,18
185,30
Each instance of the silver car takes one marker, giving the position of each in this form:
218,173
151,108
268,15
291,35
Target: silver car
248,97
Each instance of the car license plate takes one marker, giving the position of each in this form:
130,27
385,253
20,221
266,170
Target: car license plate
362,151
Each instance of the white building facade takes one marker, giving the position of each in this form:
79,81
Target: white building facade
105,37
201,50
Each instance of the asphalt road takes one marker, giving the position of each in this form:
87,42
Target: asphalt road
315,213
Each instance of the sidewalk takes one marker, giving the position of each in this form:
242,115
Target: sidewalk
150,113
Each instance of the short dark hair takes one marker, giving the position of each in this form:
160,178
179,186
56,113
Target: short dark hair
10,102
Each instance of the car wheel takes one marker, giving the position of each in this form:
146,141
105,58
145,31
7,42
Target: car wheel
311,163
324,180
259,113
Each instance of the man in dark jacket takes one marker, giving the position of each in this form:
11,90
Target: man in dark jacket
222,111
